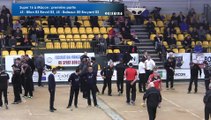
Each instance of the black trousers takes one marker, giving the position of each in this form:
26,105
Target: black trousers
97,90
148,73
132,89
169,78
84,86
142,82
107,82
207,82
151,112
93,90
4,91
73,91
207,112
52,97
16,90
40,71
120,82
195,80
28,89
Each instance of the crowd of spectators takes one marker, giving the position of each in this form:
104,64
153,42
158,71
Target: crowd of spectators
193,26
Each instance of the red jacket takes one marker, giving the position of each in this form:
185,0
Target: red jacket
157,81
130,74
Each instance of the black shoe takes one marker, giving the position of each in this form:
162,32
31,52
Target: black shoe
102,93
195,92
54,109
51,110
128,103
96,105
19,101
68,106
188,92
76,106
109,94
6,106
15,103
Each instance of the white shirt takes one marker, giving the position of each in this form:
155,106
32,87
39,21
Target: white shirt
150,64
141,68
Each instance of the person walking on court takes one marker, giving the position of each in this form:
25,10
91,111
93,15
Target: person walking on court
4,82
120,68
131,78
95,70
91,87
170,69
52,88
153,97
16,81
149,65
74,81
195,71
107,74
207,102
40,65
156,79
207,75
142,76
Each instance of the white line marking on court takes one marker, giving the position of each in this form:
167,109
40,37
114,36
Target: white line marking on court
188,111
110,112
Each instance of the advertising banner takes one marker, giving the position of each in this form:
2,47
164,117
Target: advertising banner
201,57
181,74
64,59
67,9
182,60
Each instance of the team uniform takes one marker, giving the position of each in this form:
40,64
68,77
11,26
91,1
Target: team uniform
74,80
207,75
142,77
156,80
130,74
28,83
169,66
195,70
107,73
154,98
120,68
207,102
52,89
91,87
4,77
16,82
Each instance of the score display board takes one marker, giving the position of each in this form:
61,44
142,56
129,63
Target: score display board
67,9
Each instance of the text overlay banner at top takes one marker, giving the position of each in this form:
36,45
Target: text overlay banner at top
59,9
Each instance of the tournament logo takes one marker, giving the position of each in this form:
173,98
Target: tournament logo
179,61
49,59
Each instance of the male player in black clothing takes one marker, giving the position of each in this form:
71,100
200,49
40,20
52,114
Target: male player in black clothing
4,81
74,81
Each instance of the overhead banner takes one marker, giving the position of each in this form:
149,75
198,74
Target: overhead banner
199,58
64,59
182,60
67,9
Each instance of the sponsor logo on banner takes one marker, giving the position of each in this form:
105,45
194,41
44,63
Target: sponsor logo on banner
201,57
180,74
64,59
182,60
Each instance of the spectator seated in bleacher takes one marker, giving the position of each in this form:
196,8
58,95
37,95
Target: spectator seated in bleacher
3,26
187,42
32,34
150,26
198,48
5,11
156,13
12,42
110,40
194,34
172,25
171,41
30,21
17,25
168,32
102,44
184,26
135,38
69,20
202,33
118,39
18,35
125,33
94,21
158,41
40,34
8,20
174,18
95,43
26,43
180,18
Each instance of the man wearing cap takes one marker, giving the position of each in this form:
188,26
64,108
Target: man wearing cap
131,77
4,81
154,99
207,102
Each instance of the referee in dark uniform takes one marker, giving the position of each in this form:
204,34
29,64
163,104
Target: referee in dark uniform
154,99
74,81
52,88
4,81
207,102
